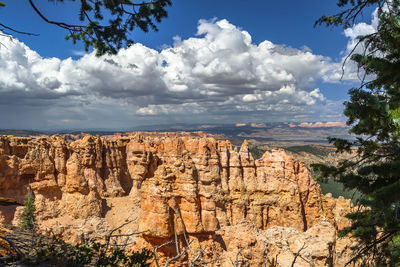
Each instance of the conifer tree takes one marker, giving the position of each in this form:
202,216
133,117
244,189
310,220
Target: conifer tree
28,221
373,112
103,24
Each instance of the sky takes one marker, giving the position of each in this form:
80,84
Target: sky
210,62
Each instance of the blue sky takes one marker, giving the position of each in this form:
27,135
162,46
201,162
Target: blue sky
293,74
281,22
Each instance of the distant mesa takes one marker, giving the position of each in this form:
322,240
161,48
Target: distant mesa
318,124
258,125
253,125
207,126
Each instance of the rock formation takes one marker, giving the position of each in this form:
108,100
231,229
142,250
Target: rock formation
200,189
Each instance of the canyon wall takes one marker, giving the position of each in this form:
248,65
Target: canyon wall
206,191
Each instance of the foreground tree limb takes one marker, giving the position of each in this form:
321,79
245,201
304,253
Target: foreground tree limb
110,36
104,33
373,112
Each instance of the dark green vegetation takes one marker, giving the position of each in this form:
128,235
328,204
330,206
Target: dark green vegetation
106,25
317,151
256,152
372,113
28,220
337,189
32,249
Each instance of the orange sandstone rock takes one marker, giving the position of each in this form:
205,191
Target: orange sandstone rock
213,192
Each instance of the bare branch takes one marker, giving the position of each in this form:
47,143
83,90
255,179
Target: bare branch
175,232
197,257
184,235
17,31
157,248
177,256
108,238
60,24
298,254
237,262
178,252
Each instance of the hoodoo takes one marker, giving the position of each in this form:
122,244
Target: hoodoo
208,193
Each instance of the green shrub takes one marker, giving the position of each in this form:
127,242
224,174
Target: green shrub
28,215
58,253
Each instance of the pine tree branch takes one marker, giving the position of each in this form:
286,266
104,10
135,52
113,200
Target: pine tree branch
17,31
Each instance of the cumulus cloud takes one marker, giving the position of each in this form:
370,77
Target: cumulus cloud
217,74
361,29
351,71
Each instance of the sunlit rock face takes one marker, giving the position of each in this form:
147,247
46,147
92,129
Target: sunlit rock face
204,190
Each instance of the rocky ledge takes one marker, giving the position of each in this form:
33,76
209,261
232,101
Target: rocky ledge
205,192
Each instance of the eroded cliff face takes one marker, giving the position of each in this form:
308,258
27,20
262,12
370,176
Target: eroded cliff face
214,193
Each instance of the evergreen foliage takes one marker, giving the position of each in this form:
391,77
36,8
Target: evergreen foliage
256,152
105,25
58,253
28,248
373,112
126,16
28,221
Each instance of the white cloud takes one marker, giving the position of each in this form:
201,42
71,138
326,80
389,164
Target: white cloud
351,70
78,53
361,29
218,72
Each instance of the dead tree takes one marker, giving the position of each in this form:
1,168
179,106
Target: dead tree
197,259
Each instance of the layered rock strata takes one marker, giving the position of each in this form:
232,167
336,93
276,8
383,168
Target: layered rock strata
195,188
